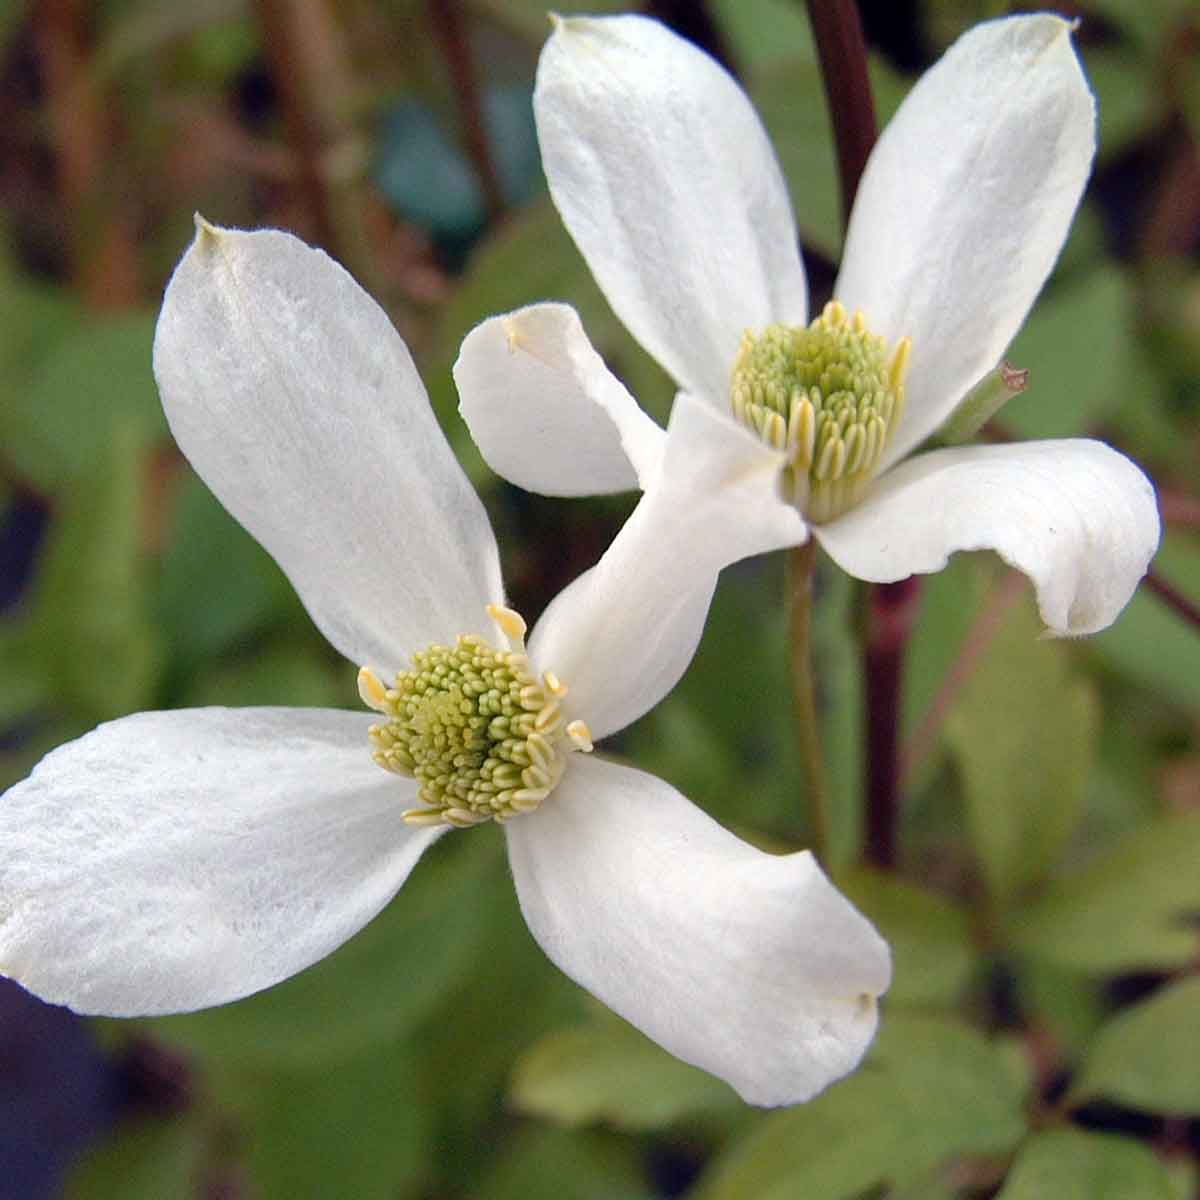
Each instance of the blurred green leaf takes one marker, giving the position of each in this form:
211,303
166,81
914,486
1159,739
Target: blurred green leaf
1122,91
95,384
554,1164
929,1089
1024,764
24,684
1066,1000
376,987
932,956
146,1159
89,599
765,33
1077,347
1134,907
358,1127
609,1072
217,583
529,18
1149,1055
290,675
1151,644
1067,1164
790,99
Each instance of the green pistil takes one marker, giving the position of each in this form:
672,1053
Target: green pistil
479,732
829,396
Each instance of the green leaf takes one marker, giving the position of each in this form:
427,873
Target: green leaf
1121,96
95,384
765,33
1024,765
273,674
1132,908
89,598
554,1164
376,987
790,98
1149,1056
217,584
358,1127
609,1072
145,1159
932,956
929,1090
1077,348
1067,1164
1150,643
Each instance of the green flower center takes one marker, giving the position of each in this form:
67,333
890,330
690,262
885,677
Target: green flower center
829,396
482,735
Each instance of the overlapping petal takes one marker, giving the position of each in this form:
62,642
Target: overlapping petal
1075,516
295,399
624,632
171,861
749,965
666,180
545,411
965,204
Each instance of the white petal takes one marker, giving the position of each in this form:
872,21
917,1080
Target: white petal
621,635
965,204
665,178
174,860
295,399
1075,516
749,965
545,411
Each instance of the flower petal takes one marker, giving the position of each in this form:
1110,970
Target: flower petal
965,204
665,178
749,965
545,411
295,399
170,861
623,633
1075,516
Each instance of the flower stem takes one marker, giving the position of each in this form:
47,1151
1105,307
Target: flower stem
838,33
801,562
890,607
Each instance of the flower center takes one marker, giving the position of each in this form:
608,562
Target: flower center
829,396
483,737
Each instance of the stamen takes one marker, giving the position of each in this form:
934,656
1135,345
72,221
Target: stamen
481,735
828,396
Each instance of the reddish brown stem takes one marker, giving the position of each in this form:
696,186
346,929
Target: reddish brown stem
1173,598
451,31
842,51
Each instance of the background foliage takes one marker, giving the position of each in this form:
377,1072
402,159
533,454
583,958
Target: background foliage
1042,1038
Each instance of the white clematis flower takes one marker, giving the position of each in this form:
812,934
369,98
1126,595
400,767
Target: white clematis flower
666,180
173,860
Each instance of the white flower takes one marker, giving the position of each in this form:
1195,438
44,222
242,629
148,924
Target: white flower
665,179
173,860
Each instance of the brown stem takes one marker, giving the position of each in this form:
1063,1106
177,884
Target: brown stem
451,30
801,564
103,248
891,610
838,33
1173,598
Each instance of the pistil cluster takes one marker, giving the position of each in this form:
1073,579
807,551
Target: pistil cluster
482,735
829,396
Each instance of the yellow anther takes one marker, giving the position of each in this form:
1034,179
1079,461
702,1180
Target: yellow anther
509,622
372,691
480,734
829,397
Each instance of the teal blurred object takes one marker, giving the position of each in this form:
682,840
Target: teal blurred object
427,179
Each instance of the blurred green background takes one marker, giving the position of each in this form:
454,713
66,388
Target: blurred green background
1042,1038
